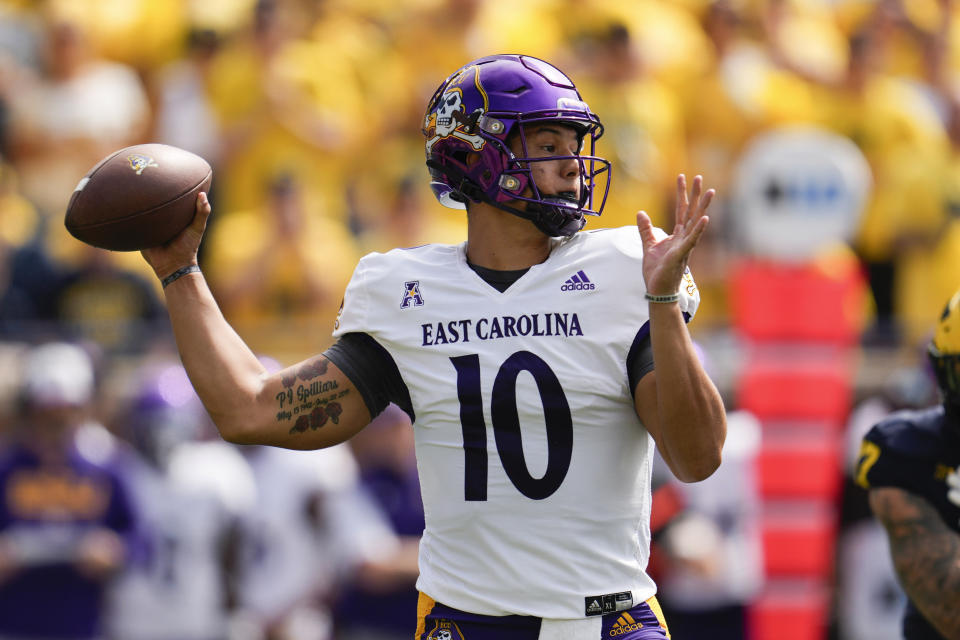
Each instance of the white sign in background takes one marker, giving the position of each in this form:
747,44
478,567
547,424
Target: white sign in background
798,190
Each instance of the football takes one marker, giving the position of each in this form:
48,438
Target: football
138,197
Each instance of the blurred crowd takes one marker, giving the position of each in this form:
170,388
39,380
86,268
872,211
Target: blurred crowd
122,515
310,110
310,113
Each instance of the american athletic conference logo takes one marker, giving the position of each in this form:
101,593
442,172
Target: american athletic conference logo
411,295
578,282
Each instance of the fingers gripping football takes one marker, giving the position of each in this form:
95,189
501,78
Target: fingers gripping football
182,250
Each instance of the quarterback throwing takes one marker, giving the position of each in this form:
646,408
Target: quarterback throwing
540,366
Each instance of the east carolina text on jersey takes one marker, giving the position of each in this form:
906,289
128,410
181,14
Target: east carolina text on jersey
536,325
534,467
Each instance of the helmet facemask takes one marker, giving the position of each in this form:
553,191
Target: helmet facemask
555,214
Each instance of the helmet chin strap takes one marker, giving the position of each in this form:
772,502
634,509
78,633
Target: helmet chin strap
554,219
550,219
549,215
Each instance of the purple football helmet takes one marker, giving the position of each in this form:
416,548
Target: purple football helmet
483,104
163,413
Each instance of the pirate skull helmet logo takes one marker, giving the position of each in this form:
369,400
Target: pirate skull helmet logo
451,102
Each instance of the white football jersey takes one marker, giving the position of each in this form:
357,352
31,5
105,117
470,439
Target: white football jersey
175,588
534,468
287,558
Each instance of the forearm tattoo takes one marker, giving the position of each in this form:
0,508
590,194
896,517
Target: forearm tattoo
310,403
926,554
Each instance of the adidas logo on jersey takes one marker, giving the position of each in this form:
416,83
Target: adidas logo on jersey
624,624
578,282
594,608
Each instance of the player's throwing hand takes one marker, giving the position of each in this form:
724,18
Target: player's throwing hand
182,250
665,259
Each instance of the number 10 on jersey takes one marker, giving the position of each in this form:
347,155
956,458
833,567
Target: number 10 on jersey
506,425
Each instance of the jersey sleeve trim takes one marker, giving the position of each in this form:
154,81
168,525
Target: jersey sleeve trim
640,357
373,371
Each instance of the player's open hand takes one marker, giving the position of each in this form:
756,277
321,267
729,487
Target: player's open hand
182,250
665,258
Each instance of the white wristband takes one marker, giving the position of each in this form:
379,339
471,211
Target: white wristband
673,297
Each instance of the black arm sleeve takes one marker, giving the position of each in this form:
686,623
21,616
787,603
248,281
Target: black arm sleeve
372,371
640,357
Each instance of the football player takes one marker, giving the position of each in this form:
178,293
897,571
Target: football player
189,496
909,463
538,365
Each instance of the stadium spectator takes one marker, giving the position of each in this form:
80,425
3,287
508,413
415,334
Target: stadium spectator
77,111
26,275
435,37
406,222
308,530
385,456
904,139
65,515
184,116
95,298
188,495
284,103
643,123
713,549
928,240
63,120
282,263
717,114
